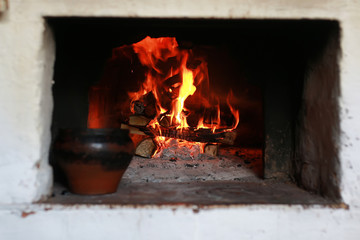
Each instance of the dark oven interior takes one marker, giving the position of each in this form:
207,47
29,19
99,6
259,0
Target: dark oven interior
284,79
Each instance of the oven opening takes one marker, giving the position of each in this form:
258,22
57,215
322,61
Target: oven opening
219,111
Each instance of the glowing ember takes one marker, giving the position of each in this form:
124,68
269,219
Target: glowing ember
180,149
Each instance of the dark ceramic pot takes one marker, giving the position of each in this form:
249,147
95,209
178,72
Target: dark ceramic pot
93,160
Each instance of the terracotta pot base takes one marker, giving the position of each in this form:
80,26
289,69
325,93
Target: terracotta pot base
91,179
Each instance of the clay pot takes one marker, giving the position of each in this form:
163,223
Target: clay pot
93,160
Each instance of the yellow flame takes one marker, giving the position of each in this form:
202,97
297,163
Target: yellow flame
187,88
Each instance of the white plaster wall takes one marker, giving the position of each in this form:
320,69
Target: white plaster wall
25,115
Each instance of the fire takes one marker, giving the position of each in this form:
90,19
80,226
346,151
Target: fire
151,50
234,111
166,62
177,81
187,88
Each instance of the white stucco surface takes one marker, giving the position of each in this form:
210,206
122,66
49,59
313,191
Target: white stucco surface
26,60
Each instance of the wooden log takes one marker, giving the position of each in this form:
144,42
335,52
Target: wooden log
164,120
201,135
173,81
145,106
211,149
138,107
146,148
172,86
138,120
229,138
151,108
137,138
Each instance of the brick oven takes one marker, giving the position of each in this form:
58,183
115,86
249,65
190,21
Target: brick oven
292,171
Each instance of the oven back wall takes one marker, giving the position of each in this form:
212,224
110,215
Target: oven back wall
26,60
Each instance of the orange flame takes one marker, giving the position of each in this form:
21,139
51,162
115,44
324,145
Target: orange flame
151,50
234,111
187,88
164,60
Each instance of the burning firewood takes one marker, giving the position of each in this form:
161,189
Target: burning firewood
145,106
211,149
201,135
164,120
138,107
146,148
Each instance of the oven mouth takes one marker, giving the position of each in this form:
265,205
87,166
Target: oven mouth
285,72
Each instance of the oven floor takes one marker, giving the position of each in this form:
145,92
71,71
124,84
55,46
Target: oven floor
194,193
233,177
